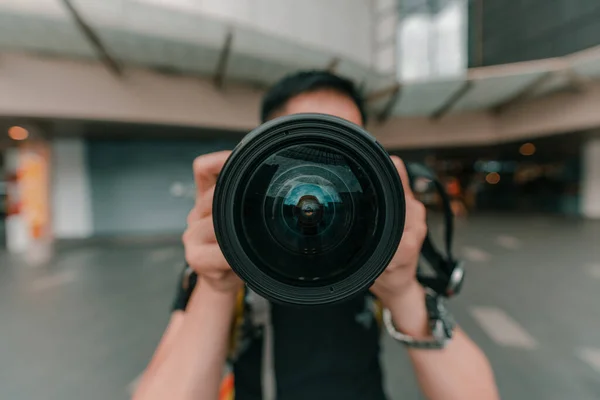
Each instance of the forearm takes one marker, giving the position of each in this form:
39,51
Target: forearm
193,365
458,372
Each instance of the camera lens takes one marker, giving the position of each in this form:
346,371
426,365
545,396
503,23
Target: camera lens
302,209
308,210
309,215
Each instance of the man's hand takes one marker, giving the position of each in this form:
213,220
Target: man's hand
202,251
188,363
398,287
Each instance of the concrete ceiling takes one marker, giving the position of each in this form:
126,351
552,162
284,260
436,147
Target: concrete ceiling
146,34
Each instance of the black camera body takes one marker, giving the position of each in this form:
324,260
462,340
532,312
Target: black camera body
308,209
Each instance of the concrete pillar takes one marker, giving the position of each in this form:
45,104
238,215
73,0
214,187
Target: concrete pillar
49,196
590,180
17,237
28,225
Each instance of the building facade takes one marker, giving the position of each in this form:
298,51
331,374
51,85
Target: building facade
508,31
200,68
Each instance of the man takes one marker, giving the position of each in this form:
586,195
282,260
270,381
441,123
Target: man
329,352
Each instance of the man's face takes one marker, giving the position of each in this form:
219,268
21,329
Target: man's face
323,102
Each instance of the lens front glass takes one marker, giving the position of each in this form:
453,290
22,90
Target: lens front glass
309,213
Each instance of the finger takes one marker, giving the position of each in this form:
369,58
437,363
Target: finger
204,202
401,168
193,216
418,210
206,171
415,229
207,168
206,259
200,231
215,275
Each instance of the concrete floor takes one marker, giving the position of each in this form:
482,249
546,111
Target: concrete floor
84,325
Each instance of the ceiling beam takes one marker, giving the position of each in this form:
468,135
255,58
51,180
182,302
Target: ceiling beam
221,69
382,93
104,98
577,82
94,39
390,104
333,65
452,100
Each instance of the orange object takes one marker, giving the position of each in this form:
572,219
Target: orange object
227,391
453,188
33,181
18,133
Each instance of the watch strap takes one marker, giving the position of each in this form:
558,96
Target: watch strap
441,325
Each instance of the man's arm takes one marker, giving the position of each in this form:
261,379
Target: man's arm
459,372
188,363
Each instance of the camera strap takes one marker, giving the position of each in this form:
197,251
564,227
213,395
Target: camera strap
449,272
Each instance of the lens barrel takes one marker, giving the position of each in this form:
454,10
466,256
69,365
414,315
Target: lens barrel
308,209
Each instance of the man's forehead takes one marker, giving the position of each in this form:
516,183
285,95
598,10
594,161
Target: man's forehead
325,101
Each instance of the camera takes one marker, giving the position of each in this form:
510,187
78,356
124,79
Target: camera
308,209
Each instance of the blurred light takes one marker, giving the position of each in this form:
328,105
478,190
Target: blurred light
422,185
492,178
479,166
528,149
18,133
177,189
493,166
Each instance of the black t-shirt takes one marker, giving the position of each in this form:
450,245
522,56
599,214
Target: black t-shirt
319,353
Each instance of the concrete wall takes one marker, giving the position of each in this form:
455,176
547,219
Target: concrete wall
34,87
143,186
341,26
71,191
58,88
590,184
521,30
384,44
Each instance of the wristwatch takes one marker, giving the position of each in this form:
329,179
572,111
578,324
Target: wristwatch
441,324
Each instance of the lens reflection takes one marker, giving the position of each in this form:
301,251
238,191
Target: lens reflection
309,208
304,210
309,213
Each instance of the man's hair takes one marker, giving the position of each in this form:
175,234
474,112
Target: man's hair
305,82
